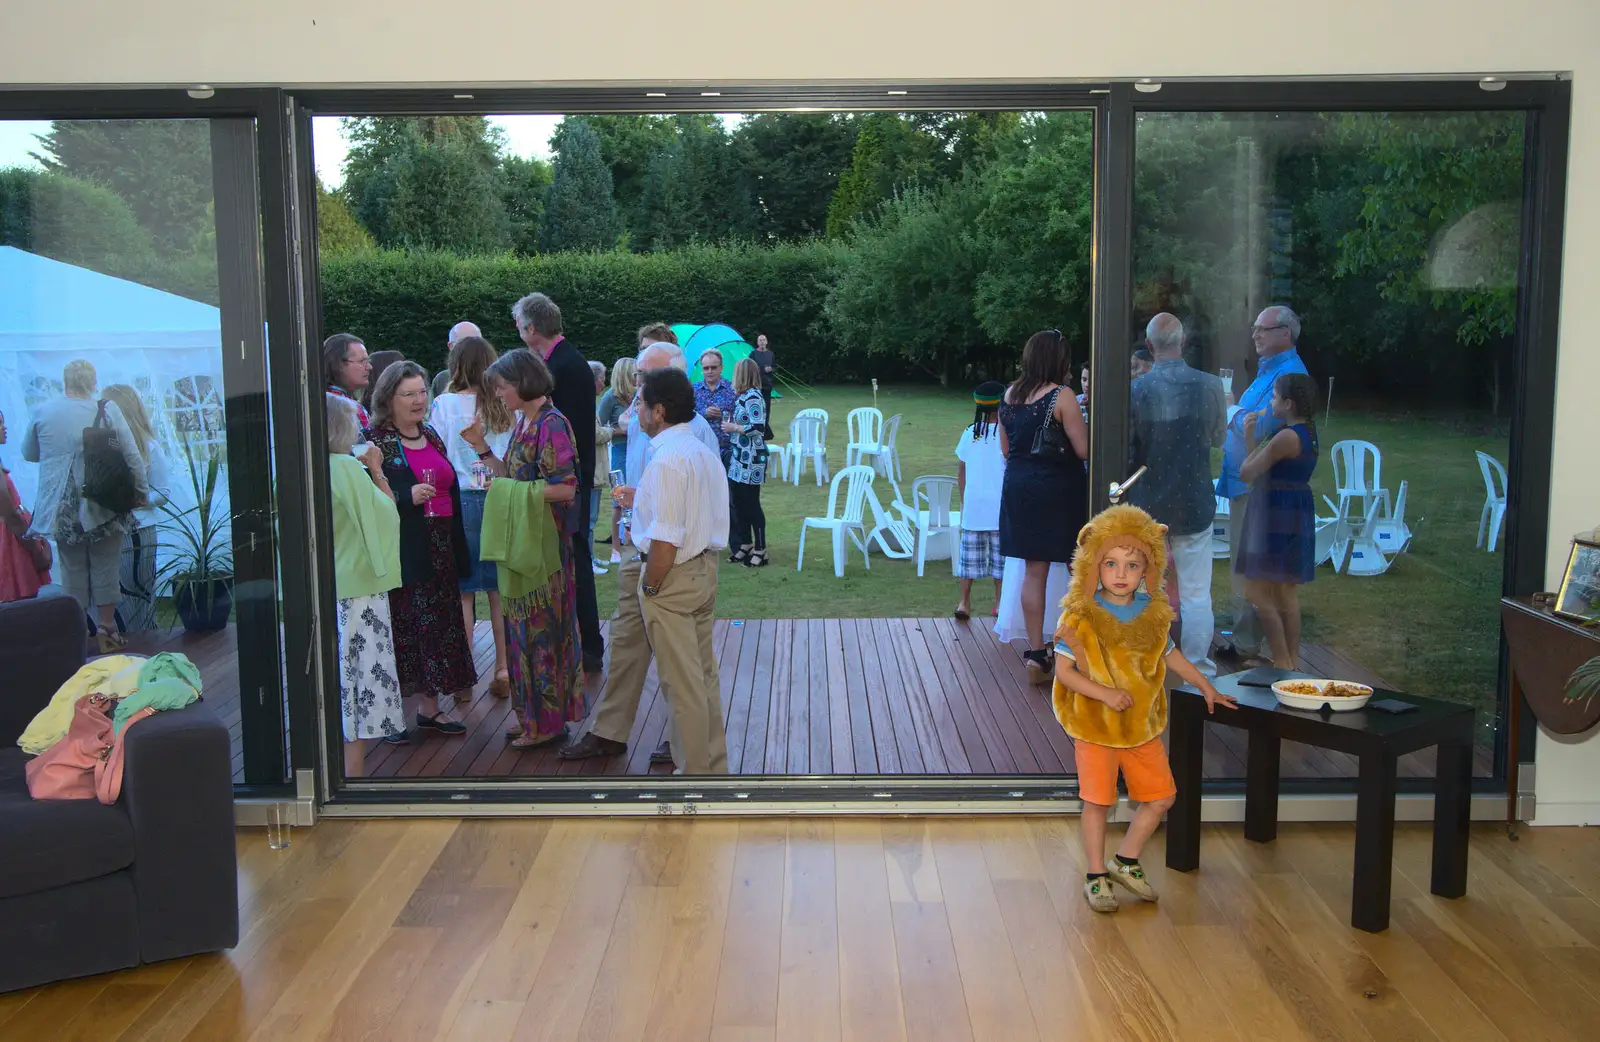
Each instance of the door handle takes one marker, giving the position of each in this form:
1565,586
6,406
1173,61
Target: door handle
1118,488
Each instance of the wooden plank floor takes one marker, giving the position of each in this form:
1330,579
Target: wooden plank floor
881,930
813,697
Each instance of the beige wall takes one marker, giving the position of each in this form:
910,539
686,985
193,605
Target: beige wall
684,41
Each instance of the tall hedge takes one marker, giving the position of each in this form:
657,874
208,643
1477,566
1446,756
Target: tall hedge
408,300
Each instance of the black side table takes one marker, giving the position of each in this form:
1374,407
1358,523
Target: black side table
1377,738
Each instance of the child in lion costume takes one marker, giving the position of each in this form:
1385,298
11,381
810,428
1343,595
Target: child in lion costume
1113,651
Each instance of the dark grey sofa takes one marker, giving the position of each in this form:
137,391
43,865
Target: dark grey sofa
86,888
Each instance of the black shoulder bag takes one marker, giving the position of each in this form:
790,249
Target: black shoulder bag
108,482
1050,441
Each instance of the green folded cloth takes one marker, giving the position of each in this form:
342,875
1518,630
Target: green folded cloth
166,681
519,536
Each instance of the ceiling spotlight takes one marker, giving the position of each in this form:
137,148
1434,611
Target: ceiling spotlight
201,91
1491,83
1146,85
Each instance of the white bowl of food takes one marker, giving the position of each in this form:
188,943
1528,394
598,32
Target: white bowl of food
1337,695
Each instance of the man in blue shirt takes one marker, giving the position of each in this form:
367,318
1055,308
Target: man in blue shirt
1276,332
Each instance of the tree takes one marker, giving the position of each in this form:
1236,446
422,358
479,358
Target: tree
906,290
580,212
666,216
161,168
524,184
337,229
1036,230
74,222
890,153
437,162
793,163
628,144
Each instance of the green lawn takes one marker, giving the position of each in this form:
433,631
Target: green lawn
1430,625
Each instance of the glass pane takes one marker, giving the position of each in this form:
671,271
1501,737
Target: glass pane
885,264
1377,254
111,291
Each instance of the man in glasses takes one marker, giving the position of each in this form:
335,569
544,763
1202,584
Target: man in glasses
346,369
1276,332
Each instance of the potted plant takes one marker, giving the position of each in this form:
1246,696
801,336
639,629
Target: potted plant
199,571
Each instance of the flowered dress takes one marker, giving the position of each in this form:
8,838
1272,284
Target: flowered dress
542,649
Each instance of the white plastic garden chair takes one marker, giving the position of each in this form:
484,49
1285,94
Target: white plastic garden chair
936,527
893,536
1391,533
778,455
808,440
1366,556
865,429
887,460
1332,538
857,484
1494,499
1352,480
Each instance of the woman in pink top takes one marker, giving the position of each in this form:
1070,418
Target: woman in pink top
431,650
24,563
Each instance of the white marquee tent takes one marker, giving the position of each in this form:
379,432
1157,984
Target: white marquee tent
166,346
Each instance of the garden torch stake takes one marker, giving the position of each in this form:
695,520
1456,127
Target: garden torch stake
874,392
1328,412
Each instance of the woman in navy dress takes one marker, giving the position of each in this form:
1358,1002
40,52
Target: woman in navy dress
1277,550
1043,501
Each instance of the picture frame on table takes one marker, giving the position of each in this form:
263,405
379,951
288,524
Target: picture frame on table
1579,596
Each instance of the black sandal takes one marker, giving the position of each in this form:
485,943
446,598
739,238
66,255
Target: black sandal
739,555
442,726
1040,668
757,559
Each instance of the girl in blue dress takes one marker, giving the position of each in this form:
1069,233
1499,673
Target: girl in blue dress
1277,547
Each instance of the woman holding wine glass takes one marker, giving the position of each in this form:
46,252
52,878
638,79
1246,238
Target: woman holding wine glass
431,650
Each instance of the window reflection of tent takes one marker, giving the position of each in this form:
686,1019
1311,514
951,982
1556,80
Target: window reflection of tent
167,347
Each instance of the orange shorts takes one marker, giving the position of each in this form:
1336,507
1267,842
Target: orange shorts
1145,767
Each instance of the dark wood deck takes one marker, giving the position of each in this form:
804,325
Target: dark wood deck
811,697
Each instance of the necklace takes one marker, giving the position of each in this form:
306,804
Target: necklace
410,437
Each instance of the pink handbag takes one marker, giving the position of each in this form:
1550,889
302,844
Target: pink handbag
85,764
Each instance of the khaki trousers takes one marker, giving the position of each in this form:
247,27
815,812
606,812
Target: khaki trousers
1247,636
678,622
629,664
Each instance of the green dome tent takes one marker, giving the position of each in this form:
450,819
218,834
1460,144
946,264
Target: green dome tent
697,340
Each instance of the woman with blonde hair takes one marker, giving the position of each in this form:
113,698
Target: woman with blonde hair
610,412
366,567
88,534
464,402
137,610
747,466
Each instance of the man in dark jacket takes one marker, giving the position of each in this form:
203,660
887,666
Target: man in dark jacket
539,324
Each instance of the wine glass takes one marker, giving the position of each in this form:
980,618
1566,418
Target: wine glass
1227,380
429,476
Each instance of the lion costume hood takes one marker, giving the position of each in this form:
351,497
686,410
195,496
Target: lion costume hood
1130,656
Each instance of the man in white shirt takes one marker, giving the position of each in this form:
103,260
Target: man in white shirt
629,645
680,522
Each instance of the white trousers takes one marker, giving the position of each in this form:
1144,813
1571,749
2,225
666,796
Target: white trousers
1191,558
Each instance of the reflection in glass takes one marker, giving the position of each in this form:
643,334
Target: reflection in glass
1394,239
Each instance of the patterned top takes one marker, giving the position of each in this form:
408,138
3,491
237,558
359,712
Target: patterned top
723,398
361,413
542,448
748,464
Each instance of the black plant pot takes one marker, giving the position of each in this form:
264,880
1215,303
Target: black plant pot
203,607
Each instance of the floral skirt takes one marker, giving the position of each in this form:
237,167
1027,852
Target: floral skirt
431,650
543,656
369,692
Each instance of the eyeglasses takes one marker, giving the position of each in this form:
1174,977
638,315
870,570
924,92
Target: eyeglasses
1266,329
359,361
411,396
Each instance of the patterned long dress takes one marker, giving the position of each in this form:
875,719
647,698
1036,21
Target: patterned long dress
542,649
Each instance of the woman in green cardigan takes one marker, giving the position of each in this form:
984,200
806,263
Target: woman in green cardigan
366,562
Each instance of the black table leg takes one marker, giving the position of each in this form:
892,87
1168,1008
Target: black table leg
1261,786
1452,816
1369,899
1185,743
